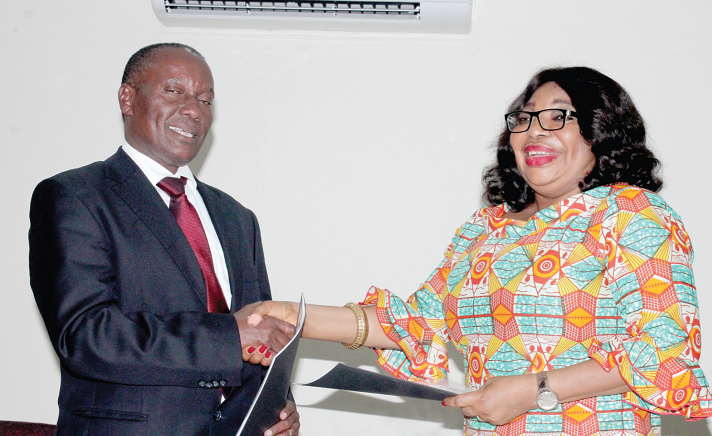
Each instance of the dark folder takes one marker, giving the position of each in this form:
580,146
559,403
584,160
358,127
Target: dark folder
272,395
360,380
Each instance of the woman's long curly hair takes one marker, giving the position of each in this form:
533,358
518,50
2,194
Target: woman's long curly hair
609,123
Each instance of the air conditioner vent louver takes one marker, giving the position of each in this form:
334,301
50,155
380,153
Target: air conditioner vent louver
350,9
433,16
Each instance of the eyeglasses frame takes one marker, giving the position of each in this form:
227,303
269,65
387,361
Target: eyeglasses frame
567,113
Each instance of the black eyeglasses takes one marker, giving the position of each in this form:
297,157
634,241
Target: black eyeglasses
549,119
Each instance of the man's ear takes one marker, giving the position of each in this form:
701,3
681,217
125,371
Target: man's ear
126,97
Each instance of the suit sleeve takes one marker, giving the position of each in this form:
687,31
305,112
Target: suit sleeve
97,324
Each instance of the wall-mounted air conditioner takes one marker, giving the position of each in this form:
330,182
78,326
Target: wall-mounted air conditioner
414,16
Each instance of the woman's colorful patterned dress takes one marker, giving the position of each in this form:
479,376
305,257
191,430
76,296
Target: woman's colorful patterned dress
605,274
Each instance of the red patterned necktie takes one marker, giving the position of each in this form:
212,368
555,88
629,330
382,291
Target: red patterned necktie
189,222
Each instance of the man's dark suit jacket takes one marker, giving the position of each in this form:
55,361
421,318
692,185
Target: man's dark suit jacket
124,302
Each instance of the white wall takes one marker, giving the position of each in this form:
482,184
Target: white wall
360,153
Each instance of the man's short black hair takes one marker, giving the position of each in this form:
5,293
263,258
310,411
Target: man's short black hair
609,122
139,61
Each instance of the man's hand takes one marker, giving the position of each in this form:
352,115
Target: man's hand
288,424
268,336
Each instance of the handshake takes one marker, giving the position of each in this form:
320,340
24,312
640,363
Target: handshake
265,328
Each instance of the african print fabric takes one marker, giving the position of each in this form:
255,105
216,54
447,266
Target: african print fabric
605,274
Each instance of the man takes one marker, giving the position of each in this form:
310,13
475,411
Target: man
133,298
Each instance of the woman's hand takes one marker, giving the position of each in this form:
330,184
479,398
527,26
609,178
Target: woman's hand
326,323
500,400
282,310
257,355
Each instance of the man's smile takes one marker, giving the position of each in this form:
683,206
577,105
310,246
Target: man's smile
182,132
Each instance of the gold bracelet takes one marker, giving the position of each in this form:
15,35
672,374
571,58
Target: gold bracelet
362,322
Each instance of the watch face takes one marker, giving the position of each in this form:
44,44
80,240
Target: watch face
547,400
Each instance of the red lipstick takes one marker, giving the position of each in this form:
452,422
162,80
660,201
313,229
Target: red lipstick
539,155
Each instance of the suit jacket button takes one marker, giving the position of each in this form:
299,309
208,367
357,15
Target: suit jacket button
223,382
201,383
216,383
217,416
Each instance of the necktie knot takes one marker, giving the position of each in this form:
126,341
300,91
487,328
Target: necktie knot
173,186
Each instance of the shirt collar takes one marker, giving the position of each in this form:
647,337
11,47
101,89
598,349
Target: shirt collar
154,171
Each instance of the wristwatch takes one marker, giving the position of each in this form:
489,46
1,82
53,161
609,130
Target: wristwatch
545,398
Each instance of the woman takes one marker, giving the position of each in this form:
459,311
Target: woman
571,296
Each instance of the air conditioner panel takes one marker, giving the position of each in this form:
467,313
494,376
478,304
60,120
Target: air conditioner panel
424,16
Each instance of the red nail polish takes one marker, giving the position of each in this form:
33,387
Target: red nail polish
267,354
444,404
251,350
263,348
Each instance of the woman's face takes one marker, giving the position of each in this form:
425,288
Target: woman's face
552,162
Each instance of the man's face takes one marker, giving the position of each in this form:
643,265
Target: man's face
168,114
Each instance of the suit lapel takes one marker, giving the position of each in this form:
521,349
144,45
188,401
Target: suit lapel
138,193
231,243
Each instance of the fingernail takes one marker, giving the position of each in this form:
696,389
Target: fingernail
263,348
251,350
267,354
444,404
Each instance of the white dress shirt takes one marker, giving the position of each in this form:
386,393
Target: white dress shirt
155,172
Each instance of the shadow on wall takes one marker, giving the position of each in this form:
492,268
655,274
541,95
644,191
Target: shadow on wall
410,408
345,401
677,426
